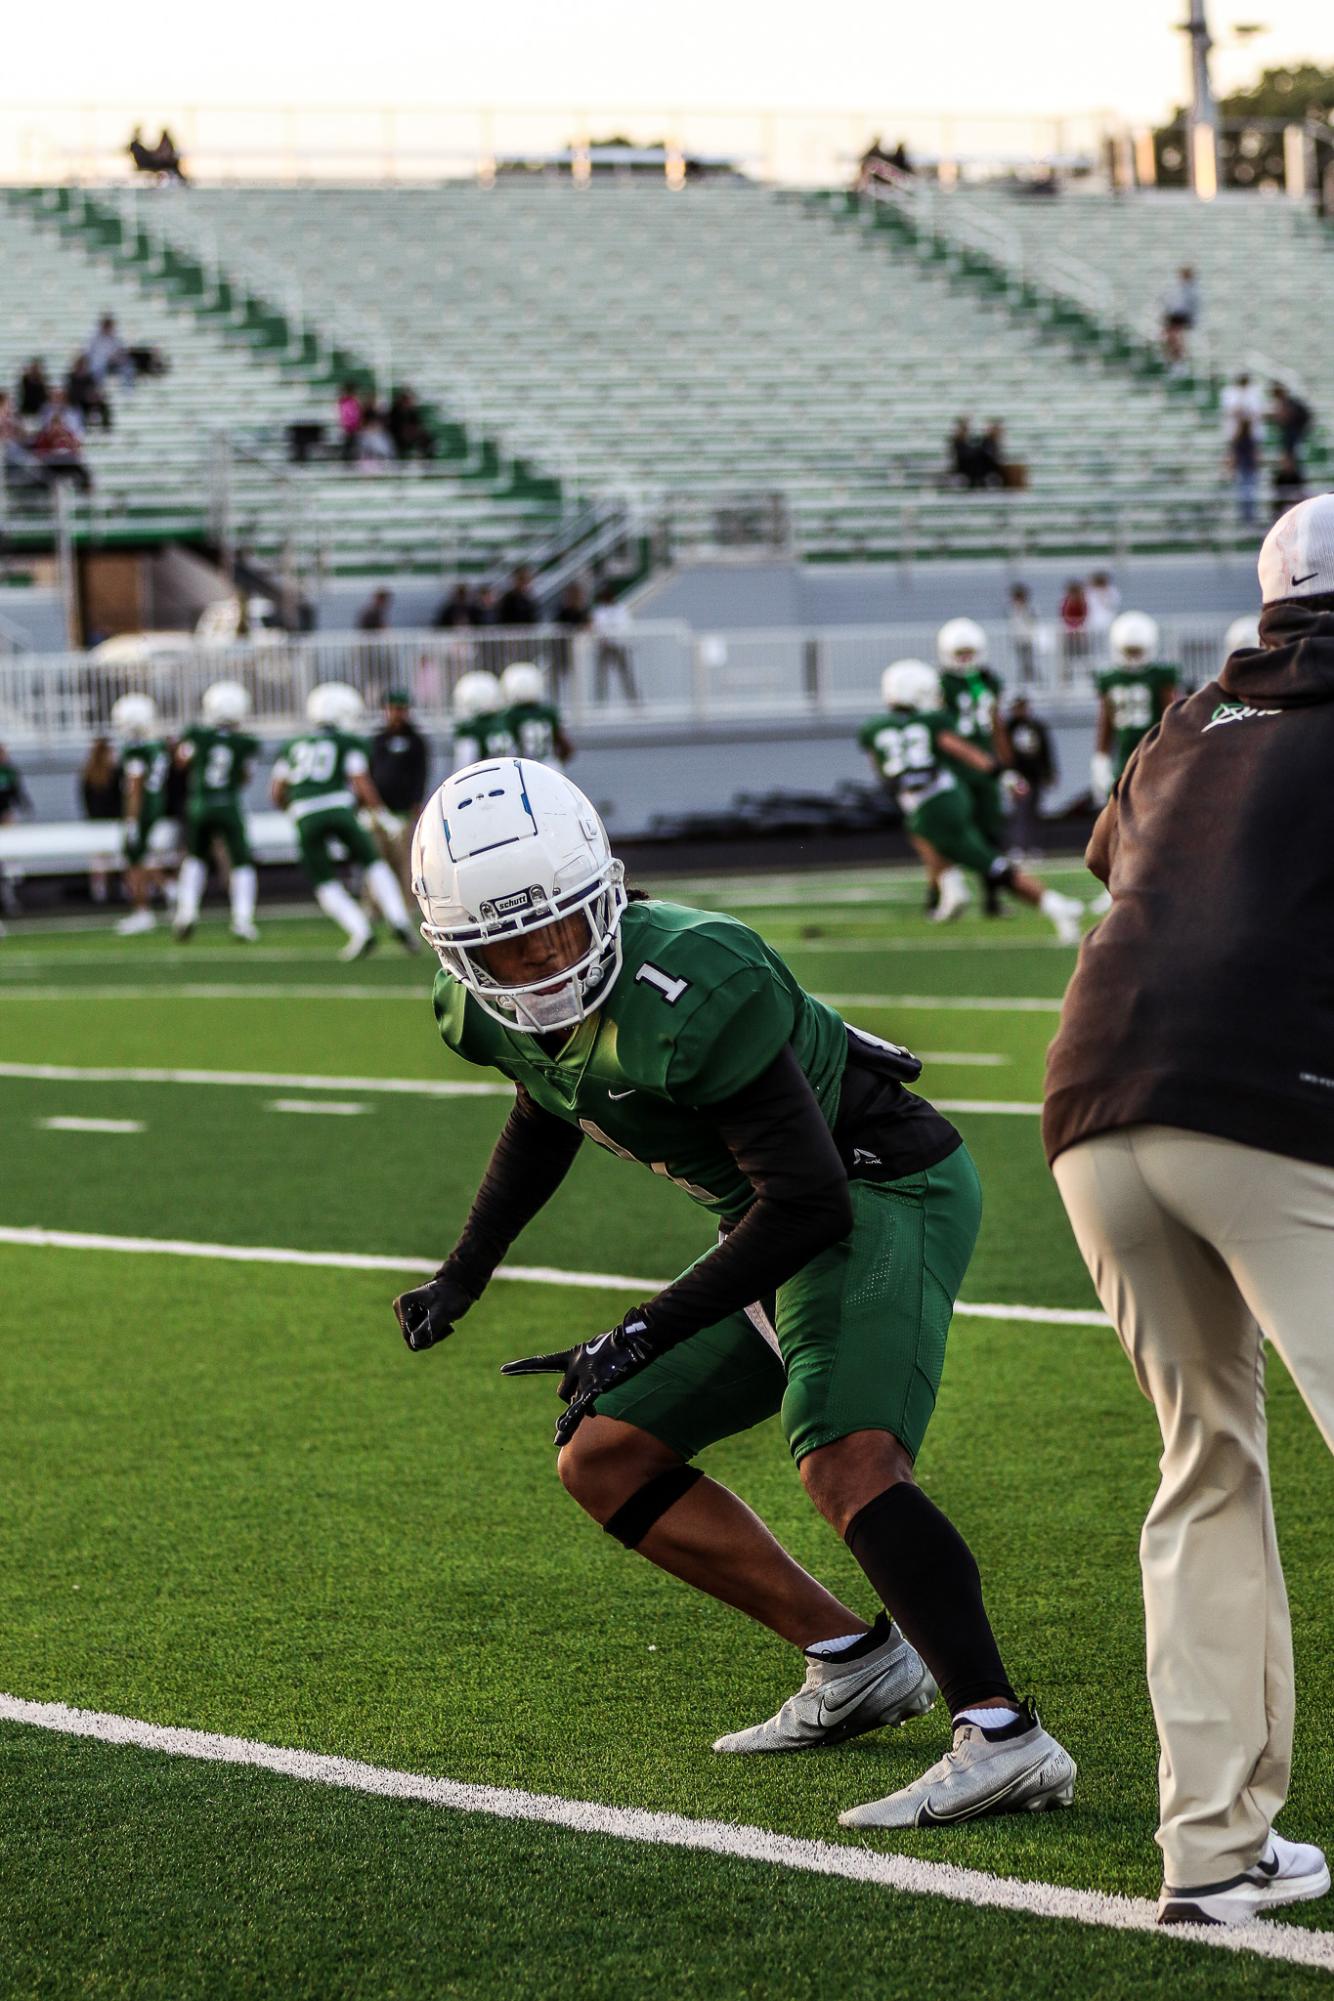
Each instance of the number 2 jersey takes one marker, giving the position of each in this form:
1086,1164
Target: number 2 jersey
702,1009
220,762
1135,696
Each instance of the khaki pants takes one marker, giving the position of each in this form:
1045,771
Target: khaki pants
396,849
1200,1250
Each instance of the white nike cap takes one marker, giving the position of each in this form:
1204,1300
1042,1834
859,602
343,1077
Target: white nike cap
1297,557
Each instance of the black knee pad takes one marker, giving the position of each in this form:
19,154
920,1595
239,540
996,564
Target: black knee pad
635,1517
1001,872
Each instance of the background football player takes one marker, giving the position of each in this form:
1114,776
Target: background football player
533,720
848,1208
919,753
1133,693
481,726
218,757
319,780
145,762
971,691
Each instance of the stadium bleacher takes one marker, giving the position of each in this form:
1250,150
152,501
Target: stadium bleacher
681,350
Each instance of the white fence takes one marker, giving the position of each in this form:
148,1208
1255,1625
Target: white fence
671,674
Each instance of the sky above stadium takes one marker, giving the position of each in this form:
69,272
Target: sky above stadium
1044,56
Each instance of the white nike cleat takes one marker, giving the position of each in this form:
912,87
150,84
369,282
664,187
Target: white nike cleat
1066,914
1020,1769
247,932
136,924
1288,1872
841,1699
358,948
954,897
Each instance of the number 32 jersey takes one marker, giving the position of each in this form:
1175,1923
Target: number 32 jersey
700,1009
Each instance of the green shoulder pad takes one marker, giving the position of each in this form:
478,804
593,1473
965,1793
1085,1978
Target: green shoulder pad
463,1026
732,1036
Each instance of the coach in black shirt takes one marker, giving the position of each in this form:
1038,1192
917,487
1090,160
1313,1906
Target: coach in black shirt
1189,1118
400,767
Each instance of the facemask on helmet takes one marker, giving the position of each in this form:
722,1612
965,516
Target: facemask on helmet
1133,637
502,849
961,642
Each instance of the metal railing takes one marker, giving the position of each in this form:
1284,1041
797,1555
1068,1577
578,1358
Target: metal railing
655,673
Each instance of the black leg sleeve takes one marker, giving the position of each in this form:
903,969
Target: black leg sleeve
927,1576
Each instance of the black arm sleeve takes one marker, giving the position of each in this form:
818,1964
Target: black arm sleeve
528,1163
776,1133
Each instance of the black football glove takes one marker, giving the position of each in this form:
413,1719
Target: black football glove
427,1314
594,1366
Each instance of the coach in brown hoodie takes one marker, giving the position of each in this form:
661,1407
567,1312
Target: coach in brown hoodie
1189,1119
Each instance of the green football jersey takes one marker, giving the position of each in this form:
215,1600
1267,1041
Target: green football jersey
534,726
906,746
318,768
220,762
149,761
701,1008
483,736
970,699
1135,695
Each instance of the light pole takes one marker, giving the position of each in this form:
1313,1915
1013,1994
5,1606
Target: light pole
1203,135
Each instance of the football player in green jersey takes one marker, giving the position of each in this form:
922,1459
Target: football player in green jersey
972,697
218,757
918,752
847,1209
145,762
320,778
481,726
533,722
1133,693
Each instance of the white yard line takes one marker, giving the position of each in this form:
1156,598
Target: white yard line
420,997
33,1236
335,1108
967,1004
905,1874
272,1080
74,1125
1003,1107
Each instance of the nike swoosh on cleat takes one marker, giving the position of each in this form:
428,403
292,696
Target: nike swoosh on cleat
927,1817
1267,1871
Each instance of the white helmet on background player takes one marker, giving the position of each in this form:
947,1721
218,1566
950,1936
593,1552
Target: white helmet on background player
334,705
504,847
133,716
961,642
477,694
1133,638
1243,635
224,703
911,684
523,682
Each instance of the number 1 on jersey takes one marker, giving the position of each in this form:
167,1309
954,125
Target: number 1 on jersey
670,989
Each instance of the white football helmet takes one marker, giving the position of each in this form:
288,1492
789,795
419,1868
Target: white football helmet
477,694
1243,635
334,705
504,847
911,684
1133,637
523,682
133,716
225,702
961,642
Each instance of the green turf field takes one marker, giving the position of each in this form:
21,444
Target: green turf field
234,1503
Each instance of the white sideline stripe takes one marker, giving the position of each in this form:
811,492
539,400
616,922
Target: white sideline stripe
975,1887
34,1236
997,1105
338,1108
273,1080
956,941
980,1004
73,1125
960,1058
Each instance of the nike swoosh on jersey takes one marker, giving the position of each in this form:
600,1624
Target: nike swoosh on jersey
616,1096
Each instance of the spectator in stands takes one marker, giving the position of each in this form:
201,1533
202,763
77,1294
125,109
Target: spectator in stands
1104,601
164,159
1023,631
1074,625
107,354
1291,418
1180,314
374,614
612,655
375,447
574,617
1288,482
989,456
519,606
1240,399
100,792
58,443
84,394
34,390
349,420
407,427
14,798
400,767
963,452
21,465
456,610
1243,459
1033,761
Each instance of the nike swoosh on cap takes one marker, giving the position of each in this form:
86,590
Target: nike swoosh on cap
1306,579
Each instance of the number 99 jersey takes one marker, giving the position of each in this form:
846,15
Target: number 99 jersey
700,1009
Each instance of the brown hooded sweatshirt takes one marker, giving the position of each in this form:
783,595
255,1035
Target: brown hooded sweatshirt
1205,997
